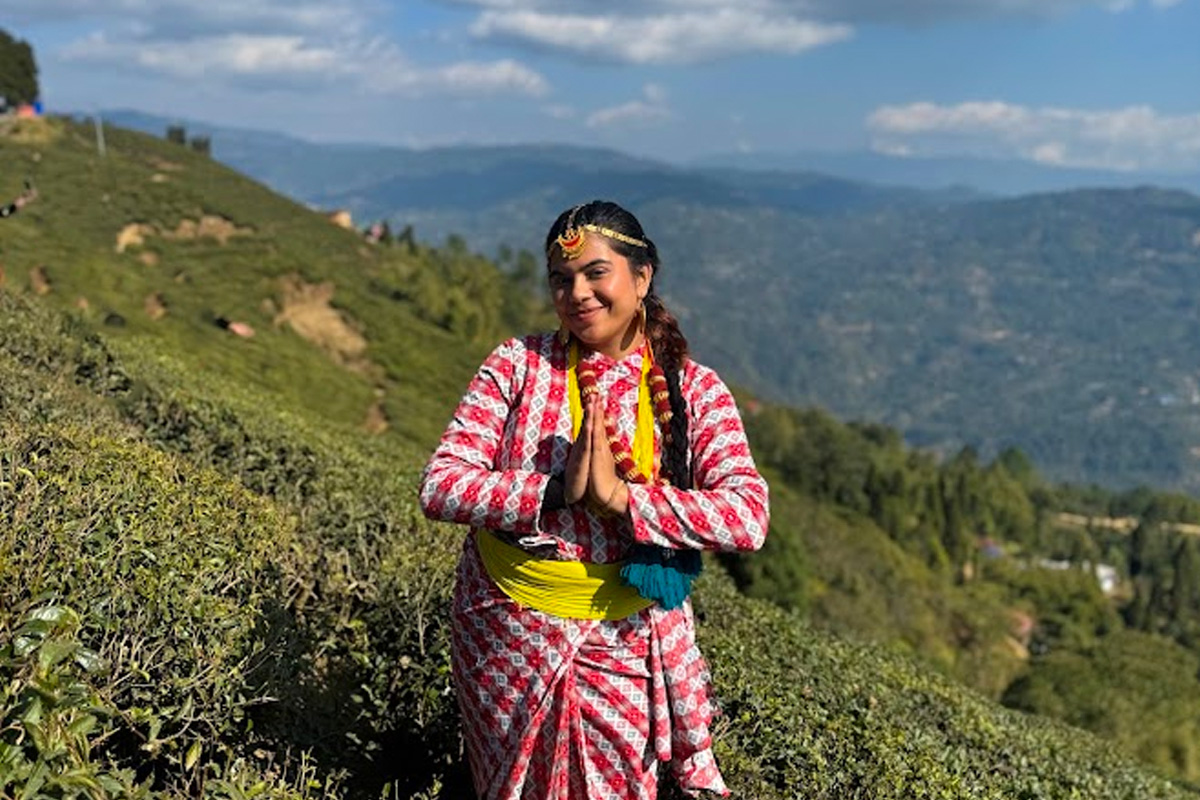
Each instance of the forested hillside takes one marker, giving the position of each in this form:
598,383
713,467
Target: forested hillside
1079,604
1059,323
214,579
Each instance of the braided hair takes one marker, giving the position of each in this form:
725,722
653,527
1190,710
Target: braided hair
662,329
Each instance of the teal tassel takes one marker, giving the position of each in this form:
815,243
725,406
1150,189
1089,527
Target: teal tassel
661,574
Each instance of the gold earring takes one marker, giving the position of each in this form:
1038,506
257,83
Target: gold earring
563,335
642,317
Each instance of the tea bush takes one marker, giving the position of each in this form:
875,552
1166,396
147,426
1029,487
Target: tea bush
167,568
297,631
351,609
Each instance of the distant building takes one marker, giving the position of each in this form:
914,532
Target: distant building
1106,574
1108,577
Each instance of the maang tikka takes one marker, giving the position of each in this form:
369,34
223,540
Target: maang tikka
572,240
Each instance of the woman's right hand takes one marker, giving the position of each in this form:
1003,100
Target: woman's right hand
576,478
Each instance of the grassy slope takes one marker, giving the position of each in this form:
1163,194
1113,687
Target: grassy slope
807,713
86,201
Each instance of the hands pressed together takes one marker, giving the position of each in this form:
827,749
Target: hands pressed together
591,469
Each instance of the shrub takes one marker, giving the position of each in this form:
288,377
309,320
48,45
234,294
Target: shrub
174,574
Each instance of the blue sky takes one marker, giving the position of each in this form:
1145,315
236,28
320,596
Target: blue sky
1097,83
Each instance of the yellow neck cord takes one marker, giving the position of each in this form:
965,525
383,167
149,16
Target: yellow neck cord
642,445
574,589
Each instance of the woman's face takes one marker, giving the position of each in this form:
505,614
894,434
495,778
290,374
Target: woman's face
597,295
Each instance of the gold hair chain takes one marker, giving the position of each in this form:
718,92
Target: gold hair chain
572,240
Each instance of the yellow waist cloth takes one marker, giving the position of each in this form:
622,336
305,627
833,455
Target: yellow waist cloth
571,589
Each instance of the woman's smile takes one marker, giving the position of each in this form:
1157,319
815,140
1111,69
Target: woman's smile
597,295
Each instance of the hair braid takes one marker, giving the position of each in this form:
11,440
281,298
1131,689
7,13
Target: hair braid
662,574
670,350
667,340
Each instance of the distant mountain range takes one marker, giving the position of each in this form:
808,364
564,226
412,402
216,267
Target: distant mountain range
987,175
1063,323
274,154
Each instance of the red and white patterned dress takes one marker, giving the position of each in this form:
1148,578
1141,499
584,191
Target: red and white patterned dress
566,709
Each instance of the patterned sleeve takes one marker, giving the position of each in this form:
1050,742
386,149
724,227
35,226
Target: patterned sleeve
727,509
461,483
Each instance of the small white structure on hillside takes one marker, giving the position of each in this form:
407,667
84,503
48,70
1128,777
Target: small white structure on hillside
1106,574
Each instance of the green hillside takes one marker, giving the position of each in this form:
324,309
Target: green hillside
1059,323
214,580
213,244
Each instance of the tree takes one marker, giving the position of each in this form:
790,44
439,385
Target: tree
407,238
1185,601
1018,465
18,71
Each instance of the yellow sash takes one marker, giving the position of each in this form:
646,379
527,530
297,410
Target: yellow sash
573,589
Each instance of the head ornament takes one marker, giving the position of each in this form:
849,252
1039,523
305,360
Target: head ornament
574,237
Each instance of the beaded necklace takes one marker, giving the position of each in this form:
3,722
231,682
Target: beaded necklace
657,573
639,463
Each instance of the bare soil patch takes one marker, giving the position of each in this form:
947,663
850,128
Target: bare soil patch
39,281
208,226
306,309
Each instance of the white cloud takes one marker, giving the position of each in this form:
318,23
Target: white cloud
926,11
234,54
650,110
301,63
513,18
1054,153
286,44
668,38
464,77
1135,137
559,111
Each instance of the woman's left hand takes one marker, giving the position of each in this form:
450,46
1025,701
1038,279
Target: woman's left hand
606,490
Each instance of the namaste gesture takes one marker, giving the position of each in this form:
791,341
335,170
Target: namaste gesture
591,469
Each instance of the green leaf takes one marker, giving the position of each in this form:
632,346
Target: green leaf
33,712
35,781
24,645
56,615
110,785
193,755
83,726
89,660
55,652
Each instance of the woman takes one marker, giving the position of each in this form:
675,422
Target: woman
593,465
